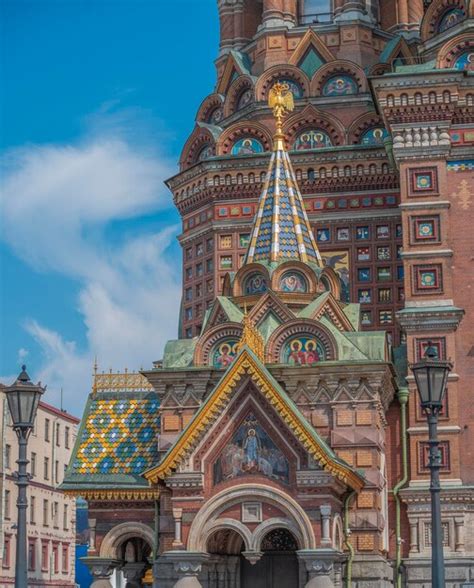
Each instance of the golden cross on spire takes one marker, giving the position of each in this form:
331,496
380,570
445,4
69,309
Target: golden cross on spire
280,100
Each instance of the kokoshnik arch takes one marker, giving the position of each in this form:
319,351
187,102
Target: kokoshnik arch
326,196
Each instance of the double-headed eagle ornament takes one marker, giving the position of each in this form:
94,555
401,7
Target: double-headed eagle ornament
280,100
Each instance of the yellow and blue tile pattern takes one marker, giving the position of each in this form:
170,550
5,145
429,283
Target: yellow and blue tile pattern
118,436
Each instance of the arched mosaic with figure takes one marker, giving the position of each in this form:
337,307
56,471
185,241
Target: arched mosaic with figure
295,88
465,61
205,153
245,98
373,136
247,146
255,284
303,350
340,85
251,451
450,18
224,353
313,139
293,281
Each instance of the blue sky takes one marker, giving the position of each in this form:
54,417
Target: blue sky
97,100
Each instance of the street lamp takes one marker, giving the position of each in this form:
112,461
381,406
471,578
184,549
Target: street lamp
23,397
431,375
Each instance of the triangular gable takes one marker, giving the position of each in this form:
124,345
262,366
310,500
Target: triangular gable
395,49
326,305
270,302
236,65
223,310
310,54
247,364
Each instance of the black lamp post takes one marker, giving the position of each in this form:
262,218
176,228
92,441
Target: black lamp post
431,375
23,397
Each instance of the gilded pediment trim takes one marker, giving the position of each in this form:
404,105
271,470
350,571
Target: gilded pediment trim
246,364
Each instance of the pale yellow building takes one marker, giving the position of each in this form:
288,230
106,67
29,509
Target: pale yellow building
51,514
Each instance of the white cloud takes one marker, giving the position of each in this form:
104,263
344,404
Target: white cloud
57,203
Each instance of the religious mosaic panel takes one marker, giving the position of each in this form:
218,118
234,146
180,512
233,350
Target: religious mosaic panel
374,136
251,451
245,98
205,153
247,146
295,88
303,350
224,353
216,115
450,18
255,284
340,85
293,281
465,61
313,139
339,262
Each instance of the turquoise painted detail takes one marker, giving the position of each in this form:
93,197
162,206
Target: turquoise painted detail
311,62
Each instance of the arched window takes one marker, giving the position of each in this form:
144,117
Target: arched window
311,175
295,88
450,18
247,146
340,85
373,136
312,139
465,61
303,350
205,152
255,284
245,98
223,353
293,281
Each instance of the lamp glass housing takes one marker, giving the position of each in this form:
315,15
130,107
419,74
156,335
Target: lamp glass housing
431,376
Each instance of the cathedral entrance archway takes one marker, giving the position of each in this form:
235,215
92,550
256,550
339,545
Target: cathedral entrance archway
278,566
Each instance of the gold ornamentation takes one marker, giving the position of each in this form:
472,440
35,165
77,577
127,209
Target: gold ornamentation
246,364
464,196
103,494
252,338
125,381
280,100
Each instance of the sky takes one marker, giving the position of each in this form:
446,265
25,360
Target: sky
97,100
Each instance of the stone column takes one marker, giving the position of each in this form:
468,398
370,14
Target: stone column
325,510
414,541
459,533
351,10
177,515
273,14
133,573
92,524
101,568
179,569
319,565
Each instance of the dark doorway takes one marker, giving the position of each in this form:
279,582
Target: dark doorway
278,567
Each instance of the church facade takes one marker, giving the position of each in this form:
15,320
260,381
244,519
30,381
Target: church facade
326,194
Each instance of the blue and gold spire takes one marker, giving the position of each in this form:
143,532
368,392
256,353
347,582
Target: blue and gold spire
281,230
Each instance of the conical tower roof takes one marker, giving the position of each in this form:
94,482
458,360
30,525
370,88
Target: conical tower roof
281,230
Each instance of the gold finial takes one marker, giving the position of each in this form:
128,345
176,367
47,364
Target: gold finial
252,338
94,383
280,100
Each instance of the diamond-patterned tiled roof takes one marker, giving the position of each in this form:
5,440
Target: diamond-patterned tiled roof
117,440
281,231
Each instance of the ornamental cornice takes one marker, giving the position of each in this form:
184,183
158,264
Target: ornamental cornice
427,319
139,495
185,480
427,253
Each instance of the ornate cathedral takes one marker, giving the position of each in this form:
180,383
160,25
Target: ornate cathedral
326,195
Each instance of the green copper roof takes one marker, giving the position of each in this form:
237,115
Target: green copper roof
416,67
352,311
179,353
309,310
268,325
